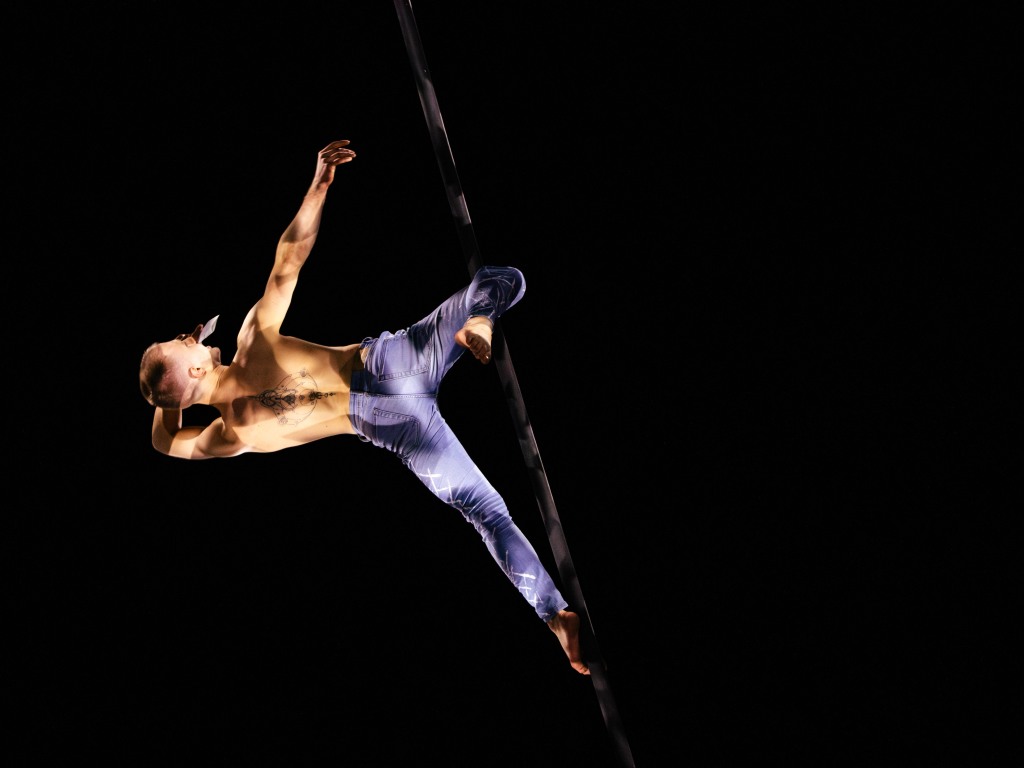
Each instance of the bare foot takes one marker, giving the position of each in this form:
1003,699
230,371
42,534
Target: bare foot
566,626
475,336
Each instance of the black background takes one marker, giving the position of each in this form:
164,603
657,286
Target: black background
744,365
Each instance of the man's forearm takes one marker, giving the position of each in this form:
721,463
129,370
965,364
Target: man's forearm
306,223
166,424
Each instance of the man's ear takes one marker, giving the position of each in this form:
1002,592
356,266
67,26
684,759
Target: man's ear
196,372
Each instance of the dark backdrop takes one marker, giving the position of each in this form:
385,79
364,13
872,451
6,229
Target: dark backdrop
716,213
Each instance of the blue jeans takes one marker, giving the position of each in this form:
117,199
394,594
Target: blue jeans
394,406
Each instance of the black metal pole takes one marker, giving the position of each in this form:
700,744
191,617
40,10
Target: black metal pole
510,385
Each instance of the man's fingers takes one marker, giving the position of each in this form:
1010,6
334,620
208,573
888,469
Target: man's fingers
337,155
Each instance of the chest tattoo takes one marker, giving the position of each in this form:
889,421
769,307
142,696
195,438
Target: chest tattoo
293,399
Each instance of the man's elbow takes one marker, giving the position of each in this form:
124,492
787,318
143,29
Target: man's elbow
162,443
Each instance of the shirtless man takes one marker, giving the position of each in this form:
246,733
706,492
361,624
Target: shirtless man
280,391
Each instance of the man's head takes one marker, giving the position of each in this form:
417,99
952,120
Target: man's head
171,372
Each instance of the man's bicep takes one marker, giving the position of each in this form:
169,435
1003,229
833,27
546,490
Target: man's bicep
273,305
207,442
217,440
183,444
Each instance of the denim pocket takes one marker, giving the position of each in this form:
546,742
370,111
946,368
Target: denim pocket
397,432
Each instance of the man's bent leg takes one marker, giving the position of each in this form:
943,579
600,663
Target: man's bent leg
491,293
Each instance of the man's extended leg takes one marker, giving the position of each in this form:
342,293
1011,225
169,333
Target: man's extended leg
442,464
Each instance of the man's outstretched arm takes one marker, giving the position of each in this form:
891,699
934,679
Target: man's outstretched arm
298,238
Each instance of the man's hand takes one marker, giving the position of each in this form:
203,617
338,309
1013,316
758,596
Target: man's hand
331,156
